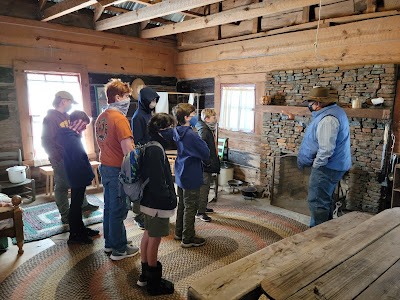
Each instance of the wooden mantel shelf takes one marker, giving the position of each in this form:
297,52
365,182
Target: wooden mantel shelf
368,113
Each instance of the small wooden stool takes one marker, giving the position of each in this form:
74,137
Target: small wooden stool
49,172
95,166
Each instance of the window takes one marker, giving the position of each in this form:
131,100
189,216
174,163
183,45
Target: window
237,107
41,90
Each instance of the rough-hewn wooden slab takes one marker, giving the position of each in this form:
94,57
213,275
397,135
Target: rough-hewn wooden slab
245,275
290,275
354,275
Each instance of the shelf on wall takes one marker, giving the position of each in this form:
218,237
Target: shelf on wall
368,113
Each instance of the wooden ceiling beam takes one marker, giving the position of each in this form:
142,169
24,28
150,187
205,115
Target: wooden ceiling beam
65,7
150,12
241,13
42,3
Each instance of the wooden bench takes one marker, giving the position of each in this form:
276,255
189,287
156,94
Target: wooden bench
242,279
49,172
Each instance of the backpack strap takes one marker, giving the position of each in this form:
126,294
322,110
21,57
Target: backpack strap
154,143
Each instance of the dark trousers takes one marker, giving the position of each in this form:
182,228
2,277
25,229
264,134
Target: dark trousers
320,190
76,226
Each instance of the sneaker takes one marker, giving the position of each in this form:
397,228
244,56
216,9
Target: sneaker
142,281
195,242
140,224
92,232
209,210
203,217
109,250
178,237
130,251
90,207
79,240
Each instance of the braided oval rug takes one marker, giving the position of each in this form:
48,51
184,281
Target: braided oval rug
86,272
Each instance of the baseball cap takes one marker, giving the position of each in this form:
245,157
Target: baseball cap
62,95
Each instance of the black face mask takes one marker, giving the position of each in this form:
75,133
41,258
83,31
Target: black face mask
167,134
310,107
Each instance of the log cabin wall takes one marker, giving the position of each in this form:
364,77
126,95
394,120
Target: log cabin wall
204,87
102,55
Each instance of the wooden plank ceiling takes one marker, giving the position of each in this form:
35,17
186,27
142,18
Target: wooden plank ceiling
251,18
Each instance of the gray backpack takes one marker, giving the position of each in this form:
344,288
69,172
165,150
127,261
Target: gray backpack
130,176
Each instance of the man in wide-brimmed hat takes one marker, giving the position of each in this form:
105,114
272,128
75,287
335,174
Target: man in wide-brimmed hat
326,149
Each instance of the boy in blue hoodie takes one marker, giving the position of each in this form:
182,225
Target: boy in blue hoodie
146,105
79,174
192,150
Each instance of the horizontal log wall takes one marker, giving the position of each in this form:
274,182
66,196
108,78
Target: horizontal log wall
368,41
99,52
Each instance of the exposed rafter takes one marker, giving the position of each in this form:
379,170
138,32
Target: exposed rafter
233,15
65,7
150,12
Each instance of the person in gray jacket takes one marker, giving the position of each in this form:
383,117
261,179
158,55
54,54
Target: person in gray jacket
206,127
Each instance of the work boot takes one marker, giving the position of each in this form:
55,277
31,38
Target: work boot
157,285
142,281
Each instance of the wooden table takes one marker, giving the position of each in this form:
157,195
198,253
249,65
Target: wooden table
242,278
49,172
361,263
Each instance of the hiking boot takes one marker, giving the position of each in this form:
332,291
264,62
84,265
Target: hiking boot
194,242
203,217
129,252
142,281
157,285
91,232
140,224
75,239
90,207
209,211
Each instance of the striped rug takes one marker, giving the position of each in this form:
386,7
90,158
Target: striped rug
43,220
86,272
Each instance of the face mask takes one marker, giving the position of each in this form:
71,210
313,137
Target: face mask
167,134
212,125
310,107
121,106
193,120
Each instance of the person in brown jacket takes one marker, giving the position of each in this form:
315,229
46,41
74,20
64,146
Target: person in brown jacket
55,119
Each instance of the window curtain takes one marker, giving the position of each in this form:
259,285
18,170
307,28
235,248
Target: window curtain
237,108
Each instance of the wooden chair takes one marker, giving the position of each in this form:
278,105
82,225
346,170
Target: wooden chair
17,230
10,159
171,160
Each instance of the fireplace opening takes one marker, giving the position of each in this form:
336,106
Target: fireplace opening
289,184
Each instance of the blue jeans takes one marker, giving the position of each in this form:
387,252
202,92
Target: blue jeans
115,209
320,190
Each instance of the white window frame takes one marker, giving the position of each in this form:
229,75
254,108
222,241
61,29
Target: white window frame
242,120
20,69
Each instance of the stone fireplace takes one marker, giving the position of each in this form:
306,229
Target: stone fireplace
367,126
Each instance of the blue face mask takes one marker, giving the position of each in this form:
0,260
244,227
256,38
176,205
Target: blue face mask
310,107
194,120
167,134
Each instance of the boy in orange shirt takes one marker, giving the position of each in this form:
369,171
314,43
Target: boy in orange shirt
115,139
